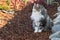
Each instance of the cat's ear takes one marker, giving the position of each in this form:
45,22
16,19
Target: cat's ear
41,6
34,5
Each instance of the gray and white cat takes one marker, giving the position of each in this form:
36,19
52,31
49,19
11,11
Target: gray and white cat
41,19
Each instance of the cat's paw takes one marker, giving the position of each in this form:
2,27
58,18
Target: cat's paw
39,30
35,31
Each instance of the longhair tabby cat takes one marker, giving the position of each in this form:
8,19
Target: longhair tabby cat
40,18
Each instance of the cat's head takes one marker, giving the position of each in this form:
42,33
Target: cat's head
38,8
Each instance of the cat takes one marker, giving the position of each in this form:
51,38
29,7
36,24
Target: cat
41,19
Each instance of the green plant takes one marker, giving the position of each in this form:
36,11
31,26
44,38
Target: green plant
4,7
25,1
8,2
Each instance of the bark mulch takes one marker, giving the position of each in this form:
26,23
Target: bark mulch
20,27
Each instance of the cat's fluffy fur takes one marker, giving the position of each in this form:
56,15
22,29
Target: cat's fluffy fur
41,19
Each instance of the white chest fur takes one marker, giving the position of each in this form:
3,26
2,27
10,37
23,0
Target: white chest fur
36,16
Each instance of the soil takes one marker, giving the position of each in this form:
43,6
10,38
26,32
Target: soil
20,27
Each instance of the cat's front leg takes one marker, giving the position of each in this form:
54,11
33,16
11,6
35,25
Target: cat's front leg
36,26
40,30
36,29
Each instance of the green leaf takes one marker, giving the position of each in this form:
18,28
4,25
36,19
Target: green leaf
25,1
4,7
8,1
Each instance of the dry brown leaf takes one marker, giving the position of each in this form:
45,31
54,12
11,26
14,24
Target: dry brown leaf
4,18
2,23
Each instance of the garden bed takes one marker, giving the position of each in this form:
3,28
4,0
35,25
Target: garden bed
5,18
20,27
